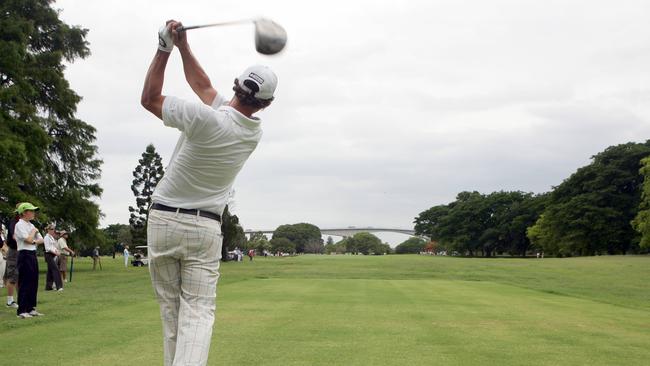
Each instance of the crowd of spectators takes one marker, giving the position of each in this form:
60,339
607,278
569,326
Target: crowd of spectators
19,242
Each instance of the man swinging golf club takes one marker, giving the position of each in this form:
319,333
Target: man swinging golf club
184,233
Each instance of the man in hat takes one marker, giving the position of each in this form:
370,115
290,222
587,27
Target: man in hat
65,251
183,230
27,238
53,276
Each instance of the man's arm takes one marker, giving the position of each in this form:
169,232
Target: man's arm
194,73
33,237
152,98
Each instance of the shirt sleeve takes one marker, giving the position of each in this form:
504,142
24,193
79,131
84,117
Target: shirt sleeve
49,244
188,117
218,101
21,232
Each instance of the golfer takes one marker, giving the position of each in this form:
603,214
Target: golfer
183,230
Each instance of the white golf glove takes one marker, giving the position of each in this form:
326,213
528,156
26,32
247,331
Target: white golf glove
165,42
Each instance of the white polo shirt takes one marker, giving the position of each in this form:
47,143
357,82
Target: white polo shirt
21,232
215,143
61,244
50,244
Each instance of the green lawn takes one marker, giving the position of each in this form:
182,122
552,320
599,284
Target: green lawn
356,310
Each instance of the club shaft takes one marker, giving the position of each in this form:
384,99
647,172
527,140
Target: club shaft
242,21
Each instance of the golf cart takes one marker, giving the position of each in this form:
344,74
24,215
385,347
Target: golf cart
140,259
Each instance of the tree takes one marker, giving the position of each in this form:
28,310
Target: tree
429,222
146,176
305,237
315,247
465,223
590,212
383,248
233,233
641,222
124,235
259,242
365,243
262,245
411,245
282,245
47,156
117,235
489,224
339,247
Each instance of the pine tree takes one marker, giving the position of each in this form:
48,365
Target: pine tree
146,176
47,156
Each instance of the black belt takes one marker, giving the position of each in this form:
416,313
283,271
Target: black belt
189,211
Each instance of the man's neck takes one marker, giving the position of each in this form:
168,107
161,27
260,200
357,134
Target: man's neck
247,111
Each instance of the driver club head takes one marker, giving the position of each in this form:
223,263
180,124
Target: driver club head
270,37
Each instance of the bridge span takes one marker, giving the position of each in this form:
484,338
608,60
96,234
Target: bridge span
350,231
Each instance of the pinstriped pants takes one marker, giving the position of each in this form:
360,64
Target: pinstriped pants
184,253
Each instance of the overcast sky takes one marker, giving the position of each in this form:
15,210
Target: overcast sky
383,108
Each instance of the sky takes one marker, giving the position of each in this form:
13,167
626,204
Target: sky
383,108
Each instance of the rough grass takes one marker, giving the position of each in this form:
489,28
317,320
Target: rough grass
355,310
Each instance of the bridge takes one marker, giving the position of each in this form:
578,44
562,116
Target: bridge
351,230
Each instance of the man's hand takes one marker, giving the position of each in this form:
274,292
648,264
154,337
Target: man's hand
180,38
165,41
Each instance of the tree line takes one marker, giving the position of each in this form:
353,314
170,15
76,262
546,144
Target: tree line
602,208
306,238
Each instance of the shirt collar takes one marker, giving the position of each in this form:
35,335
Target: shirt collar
238,117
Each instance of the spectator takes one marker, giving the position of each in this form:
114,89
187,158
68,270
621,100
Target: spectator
96,258
64,251
27,238
11,273
53,276
126,256
239,254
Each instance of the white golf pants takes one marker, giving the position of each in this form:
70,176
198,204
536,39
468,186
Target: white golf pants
184,253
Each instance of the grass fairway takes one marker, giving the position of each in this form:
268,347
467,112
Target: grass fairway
355,310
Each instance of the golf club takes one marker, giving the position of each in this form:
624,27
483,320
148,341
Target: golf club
270,37
71,268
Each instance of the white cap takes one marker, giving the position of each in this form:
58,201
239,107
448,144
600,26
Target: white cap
261,78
